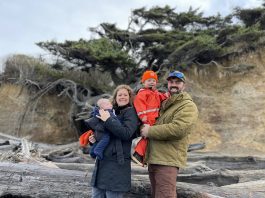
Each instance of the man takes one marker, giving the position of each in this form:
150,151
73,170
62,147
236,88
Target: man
168,138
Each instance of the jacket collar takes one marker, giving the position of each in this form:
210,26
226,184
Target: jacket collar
119,109
174,99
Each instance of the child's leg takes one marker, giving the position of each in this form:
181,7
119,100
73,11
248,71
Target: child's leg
140,148
139,152
101,145
92,148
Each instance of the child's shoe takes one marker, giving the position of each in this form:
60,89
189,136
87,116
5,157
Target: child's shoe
98,154
93,155
85,150
138,159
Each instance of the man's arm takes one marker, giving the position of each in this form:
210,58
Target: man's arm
182,121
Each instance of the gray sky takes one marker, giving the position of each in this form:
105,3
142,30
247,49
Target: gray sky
25,22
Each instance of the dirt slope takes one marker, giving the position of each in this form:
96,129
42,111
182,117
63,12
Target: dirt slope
47,120
231,100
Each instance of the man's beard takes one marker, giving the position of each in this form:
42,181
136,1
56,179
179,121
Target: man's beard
174,92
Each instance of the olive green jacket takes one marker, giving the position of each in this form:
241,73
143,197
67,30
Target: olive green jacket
168,138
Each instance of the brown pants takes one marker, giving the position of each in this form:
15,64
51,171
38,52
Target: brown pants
163,181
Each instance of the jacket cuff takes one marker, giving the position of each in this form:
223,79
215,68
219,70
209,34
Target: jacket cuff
150,132
108,121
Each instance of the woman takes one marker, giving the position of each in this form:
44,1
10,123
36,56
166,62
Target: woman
112,175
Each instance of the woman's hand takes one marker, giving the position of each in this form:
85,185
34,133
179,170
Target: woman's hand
103,115
92,139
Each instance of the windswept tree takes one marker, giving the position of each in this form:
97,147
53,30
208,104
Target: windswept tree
160,37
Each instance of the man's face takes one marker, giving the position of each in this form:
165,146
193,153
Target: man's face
175,85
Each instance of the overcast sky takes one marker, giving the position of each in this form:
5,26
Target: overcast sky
25,22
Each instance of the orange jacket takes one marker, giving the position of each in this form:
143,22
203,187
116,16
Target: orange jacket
147,103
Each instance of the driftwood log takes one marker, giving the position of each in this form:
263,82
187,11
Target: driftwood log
215,161
30,170
32,180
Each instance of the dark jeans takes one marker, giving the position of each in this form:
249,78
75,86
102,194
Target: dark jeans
163,181
99,193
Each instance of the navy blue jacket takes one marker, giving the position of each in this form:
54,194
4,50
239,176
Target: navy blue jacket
96,124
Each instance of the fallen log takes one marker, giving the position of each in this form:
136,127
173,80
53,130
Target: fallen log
222,177
21,179
211,178
39,181
196,146
198,180
192,168
136,170
216,162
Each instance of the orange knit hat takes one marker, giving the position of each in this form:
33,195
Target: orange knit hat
149,74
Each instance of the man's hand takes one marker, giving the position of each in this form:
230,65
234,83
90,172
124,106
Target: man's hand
144,130
104,115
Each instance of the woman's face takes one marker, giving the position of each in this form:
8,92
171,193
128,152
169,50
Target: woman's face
122,97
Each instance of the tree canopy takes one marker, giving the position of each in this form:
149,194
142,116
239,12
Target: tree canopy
160,37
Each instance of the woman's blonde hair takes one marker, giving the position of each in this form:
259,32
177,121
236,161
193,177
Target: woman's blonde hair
115,92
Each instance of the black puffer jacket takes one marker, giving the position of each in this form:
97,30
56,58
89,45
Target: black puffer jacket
114,171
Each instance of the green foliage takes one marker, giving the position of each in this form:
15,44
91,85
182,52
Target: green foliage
21,68
160,34
251,17
156,16
109,52
202,48
102,53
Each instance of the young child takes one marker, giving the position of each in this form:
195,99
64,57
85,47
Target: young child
102,136
147,103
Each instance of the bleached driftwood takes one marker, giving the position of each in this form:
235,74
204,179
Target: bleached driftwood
40,181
